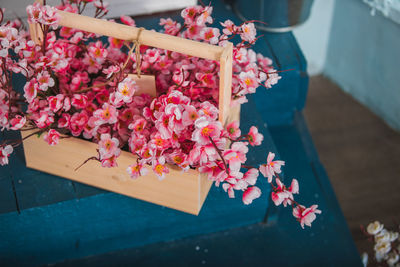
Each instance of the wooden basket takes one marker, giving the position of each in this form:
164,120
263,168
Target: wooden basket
184,191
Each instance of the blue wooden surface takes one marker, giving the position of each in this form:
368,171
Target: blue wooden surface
327,243
79,227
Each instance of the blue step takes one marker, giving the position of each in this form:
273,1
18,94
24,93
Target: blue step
58,224
327,243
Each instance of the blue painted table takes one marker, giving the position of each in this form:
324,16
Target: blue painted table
44,219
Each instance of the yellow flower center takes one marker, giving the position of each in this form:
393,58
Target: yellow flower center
159,168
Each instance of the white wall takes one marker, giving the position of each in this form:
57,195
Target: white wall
313,35
117,7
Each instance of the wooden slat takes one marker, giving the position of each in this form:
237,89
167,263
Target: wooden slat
33,188
147,37
159,40
225,83
8,201
179,190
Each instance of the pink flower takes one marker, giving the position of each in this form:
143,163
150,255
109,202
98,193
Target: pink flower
138,125
306,215
254,137
193,32
63,122
240,55
136,170
229,27
128,20
250,194
205,16
282,195
34,12
170,26
159,167
109,162
215,171
251,176
126,89
248,32
248,81
190,115
201,154
210,35
162,125
45,119
272,79
50,16
189,13
56,102
17,122
4,153
207,79
233,130
180,159
206,130
108,146
42,14
107,114
30,90
268,170
45,81
52,137
115,43
79,101
111,70
78,122
236,156
97,51
229,188
78,80
152,55
208,110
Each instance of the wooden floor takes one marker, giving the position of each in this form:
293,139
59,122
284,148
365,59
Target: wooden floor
361,155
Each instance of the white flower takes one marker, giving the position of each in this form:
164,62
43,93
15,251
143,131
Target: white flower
393,236
392,259
374,228
364,259
382,237
381,250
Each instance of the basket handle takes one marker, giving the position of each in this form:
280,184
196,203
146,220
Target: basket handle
158,40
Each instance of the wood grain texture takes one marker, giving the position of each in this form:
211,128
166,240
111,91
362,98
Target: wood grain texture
225,83
159,40
361,155
179,190
146,84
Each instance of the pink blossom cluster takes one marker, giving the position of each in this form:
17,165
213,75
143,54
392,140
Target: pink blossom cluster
78,86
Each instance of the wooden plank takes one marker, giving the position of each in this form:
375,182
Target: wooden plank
328,242
108,222
304,79
225,83
179,190
33,188
8,202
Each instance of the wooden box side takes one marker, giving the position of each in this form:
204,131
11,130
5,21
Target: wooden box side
184,191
